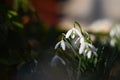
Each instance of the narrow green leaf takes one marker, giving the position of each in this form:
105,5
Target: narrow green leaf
18,24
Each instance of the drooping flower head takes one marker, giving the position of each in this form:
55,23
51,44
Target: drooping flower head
61,44
73,32
81,40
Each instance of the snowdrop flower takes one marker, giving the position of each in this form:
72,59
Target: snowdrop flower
54,60
115,31
114,34
82,46
92,48
61,43
82,40
86,48
72,32
113,42
89,53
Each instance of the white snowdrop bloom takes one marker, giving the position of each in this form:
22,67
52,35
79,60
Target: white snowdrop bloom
54,60
89,53
92,48
82,48
113,42
79,39
72,32
87,49
112,33
115,31
61,43
85,52
82,40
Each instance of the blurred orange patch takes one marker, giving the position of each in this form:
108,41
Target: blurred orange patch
48,10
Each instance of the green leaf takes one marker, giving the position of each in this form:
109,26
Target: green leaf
95,61
18,24
84,66
12,13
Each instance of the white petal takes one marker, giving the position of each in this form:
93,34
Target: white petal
56,46
82,48
63,44
112,33
112,42
68,33
89,54
63,62
92,47
54,60
82,40
78,32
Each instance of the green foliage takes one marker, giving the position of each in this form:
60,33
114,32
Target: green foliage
14,46
17,40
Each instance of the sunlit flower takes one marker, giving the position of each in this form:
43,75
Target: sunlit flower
72,32
82,40
82,48
61,44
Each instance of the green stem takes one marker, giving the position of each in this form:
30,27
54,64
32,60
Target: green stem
75,53
78,69
78,26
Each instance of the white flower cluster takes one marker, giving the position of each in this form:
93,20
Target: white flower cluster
114,34
85,47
